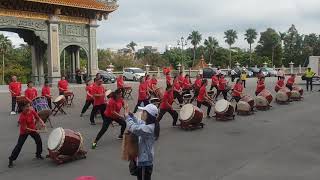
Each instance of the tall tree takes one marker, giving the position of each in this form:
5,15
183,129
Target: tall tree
195,37
211,44
132,45
250,36
269,46
293,46
5,43
230,36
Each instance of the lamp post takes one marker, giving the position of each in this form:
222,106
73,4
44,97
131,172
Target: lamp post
182,42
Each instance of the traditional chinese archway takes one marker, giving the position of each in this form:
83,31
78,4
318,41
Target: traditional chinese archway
50,26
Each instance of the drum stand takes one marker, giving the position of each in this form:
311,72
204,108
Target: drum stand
127,93
283,102
224,117
61,159
263,108
239,112
189,126
69,99
296,99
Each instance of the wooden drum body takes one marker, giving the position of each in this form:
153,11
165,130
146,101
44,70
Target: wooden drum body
296,93
245,105
224,110
65,142
191,114
263,100
283,95
60,100
40,104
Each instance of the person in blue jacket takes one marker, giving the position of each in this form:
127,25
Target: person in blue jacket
147,129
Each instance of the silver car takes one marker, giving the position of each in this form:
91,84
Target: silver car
133,74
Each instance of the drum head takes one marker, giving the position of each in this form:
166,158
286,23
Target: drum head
108,92
187,112
59,98
243,106
261,101
222,106
55,138
282,96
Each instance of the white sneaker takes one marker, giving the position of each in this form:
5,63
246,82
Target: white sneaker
13,113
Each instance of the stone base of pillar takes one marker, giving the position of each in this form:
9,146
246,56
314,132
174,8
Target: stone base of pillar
35,80
54,80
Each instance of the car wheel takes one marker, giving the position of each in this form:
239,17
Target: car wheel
134,79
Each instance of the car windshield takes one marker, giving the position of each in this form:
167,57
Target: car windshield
269,69
103,72
254,69
137,70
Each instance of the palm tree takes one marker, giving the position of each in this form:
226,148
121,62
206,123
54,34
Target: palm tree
211,45
250,36
230,36
5,43
132,46
195,37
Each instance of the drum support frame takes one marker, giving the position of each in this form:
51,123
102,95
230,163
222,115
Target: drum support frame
127,93
263,108
57,108
189,126
61,159
239,112
224,117
296,99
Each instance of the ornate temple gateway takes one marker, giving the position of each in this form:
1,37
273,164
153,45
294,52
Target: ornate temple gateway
51,26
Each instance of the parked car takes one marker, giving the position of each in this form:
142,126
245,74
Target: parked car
208,72
133,74
107,77
265,72
271,71
254,70
239,71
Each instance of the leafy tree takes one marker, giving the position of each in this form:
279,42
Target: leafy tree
230,36
5,44
132,45
175,55
211,44
269,46
250,37
293,46
195,37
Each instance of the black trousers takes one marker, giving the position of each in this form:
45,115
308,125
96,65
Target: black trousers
13,103
105,125
224,93
22,138
86,106
178,96
205,103
196,93
172,112
244,83
95,109
213,86
61,93
145,102
289,87
309,82
236,98
144,172
279,77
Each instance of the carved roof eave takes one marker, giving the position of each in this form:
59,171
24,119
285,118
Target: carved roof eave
105,9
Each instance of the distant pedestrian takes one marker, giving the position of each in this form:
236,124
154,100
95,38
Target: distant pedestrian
309,74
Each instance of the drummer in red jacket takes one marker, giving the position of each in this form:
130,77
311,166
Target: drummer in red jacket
260,86
196,86
203,98
166,106
237,90
143,96
222,87
27,127
291,81
46,92
30,92
186,86
214,82
120,85
15,90
89,97
181,79
279,84
63,85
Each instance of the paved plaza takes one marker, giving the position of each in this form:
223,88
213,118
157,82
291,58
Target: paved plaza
279,144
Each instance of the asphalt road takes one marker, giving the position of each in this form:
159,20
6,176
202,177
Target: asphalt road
282,143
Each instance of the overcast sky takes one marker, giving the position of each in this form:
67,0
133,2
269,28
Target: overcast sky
163,22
